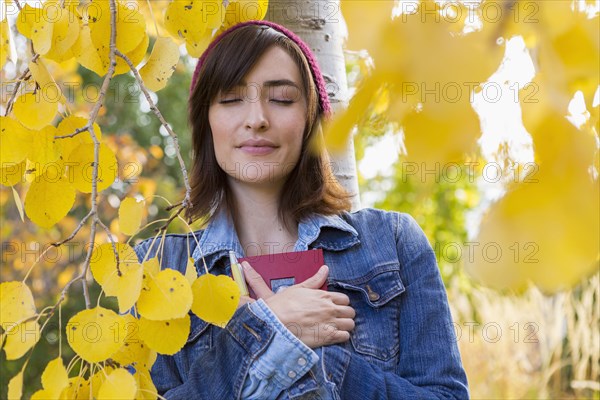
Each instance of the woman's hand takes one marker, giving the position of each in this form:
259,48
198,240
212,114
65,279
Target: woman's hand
315,316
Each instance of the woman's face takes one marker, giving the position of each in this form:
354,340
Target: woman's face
257,127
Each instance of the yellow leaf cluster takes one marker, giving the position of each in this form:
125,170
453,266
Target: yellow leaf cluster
56,168
431,90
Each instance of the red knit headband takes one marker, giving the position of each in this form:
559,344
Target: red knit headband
312,62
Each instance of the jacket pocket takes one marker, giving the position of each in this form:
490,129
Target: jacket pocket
374,297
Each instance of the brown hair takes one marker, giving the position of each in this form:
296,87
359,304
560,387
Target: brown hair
311,186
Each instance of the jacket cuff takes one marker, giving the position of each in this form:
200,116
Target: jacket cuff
287,358
251,332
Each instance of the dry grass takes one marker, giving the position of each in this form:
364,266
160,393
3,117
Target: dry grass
531,346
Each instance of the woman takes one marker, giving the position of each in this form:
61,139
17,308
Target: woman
383,329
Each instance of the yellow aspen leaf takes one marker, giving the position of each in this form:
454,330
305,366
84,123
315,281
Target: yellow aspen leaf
215,298
16,303
49,200
136,56
165,337
118,385
536,243
65,31
98,379
55,378
168,295
42,394
68,126
130,215
214,13
161,64
47,85
34,110
184,20
126,286
151,267
81,167
37,24
11,173
190,271
452,136
4,41
45,148
363,36
20,338
131,25
339,129
104,263
23,23
15,386
245,10
134,350
95,334
15,139
146,388
86,54
18,203
195,47
78,388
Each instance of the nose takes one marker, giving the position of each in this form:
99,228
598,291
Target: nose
256,117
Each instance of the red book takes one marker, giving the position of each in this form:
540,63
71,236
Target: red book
286,269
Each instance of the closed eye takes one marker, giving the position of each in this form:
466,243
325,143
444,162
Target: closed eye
282,101
229,101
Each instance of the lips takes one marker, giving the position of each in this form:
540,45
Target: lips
257,146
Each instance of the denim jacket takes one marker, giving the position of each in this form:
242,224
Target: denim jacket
402,347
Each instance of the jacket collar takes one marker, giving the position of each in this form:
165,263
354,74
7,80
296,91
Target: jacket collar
329,232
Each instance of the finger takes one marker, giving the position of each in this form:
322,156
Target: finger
340,298
345,312
245,300
335,335
256,282
345,324
317,280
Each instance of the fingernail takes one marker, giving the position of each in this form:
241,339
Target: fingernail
245,265
323,269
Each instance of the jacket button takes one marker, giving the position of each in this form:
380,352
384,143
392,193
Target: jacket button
302,361
292,374
373,296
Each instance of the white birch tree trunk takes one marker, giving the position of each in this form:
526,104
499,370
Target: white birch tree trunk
321,25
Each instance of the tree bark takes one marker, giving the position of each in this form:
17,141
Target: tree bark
321,25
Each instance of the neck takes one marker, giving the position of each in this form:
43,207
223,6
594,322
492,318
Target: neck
257,221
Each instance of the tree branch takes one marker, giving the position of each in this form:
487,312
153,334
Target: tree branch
187,199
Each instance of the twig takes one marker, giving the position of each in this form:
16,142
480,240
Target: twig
20,79
81,223
77,132
166,224
187,199
112,241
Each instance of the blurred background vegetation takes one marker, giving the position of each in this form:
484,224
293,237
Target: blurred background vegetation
529,345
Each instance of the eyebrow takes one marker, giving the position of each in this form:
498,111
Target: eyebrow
274,83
